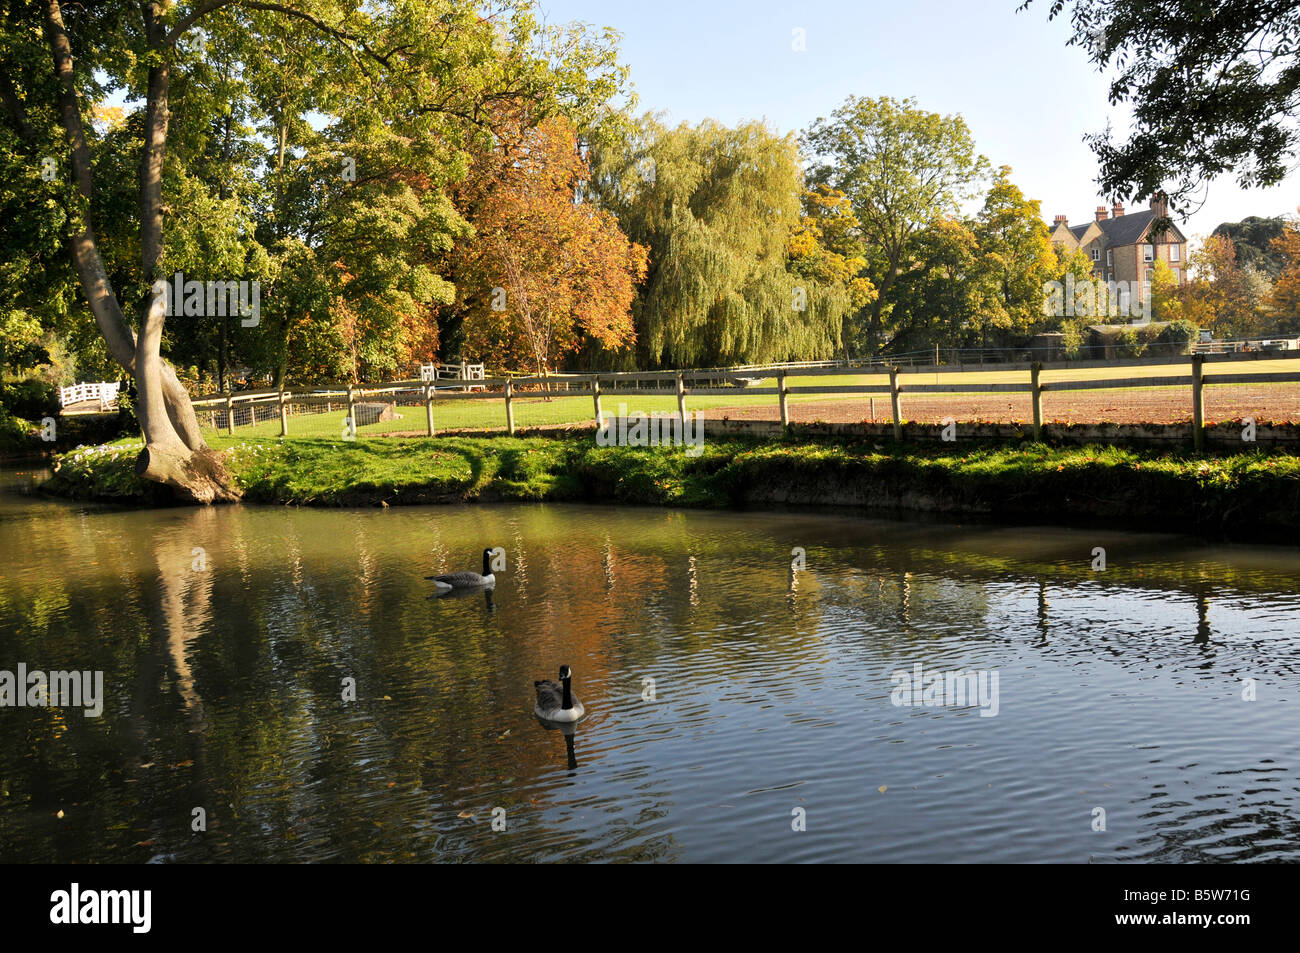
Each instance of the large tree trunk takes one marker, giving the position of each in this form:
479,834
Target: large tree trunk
175,452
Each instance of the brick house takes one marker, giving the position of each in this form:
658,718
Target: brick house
1123,247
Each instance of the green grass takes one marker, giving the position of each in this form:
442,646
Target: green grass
1248,495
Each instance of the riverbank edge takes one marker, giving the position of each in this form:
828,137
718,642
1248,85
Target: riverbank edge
1252,496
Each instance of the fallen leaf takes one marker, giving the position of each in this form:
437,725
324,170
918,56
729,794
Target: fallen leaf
883,788
465,814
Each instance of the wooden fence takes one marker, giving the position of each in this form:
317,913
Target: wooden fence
685,384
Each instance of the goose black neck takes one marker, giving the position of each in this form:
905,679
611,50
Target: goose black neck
487,564
567,703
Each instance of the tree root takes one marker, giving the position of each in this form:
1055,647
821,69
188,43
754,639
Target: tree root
198,476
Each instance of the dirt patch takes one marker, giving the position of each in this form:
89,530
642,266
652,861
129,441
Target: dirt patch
1163,406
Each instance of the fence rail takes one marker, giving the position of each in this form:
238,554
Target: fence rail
231,410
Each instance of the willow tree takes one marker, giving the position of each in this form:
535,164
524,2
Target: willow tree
427,72
717,208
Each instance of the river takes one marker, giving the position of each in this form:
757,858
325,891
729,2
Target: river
281,684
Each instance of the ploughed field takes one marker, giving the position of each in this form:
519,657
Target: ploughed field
1157,405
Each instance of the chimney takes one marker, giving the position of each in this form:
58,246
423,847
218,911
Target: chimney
1160,205
1062,220
1116,210
1101,213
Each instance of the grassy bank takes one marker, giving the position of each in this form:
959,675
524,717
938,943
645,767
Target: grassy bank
1248,496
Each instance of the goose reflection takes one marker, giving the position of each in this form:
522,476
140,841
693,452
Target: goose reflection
569,730
466,594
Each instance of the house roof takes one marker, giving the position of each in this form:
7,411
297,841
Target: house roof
1126,229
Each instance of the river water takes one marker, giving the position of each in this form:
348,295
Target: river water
280,684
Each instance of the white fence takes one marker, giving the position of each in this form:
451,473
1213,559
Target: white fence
432,373
104,392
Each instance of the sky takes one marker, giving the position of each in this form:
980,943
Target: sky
1027,97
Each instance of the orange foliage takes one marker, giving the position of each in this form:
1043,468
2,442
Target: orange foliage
563,270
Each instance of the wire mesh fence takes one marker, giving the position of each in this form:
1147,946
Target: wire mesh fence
1155,390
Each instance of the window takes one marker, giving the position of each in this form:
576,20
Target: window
1148,252
1174,253
1096,254
1110,257
1178,274
1149,275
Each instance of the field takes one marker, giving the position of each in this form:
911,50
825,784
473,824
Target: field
1152,404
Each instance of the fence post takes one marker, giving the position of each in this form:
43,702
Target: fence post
428,407
1198,402
284,415
1037,392
352,413
896,403
785,406
230,414
595,397
510,410
681,400
252,412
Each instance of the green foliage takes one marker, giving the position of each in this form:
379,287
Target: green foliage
1019,482
1253,238
1182,333
902,168
716,207
309,148
1212,89
30,398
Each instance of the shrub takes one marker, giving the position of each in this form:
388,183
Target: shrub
1181,334
31,399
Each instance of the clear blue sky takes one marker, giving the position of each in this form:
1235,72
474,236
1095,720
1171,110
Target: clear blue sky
1027,98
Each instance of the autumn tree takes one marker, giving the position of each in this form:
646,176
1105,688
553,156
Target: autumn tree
408,84
1223,296
543,273
1285,299
826,247
902,168
1016,260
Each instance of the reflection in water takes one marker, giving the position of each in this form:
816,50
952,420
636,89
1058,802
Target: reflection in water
568,730
1202,616
1043,606
227,689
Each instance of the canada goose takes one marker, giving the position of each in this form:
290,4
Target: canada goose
555,702
468,580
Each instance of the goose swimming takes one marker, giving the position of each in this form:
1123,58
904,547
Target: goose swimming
555,701
468,580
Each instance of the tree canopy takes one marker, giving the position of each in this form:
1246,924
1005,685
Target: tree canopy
1214,89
